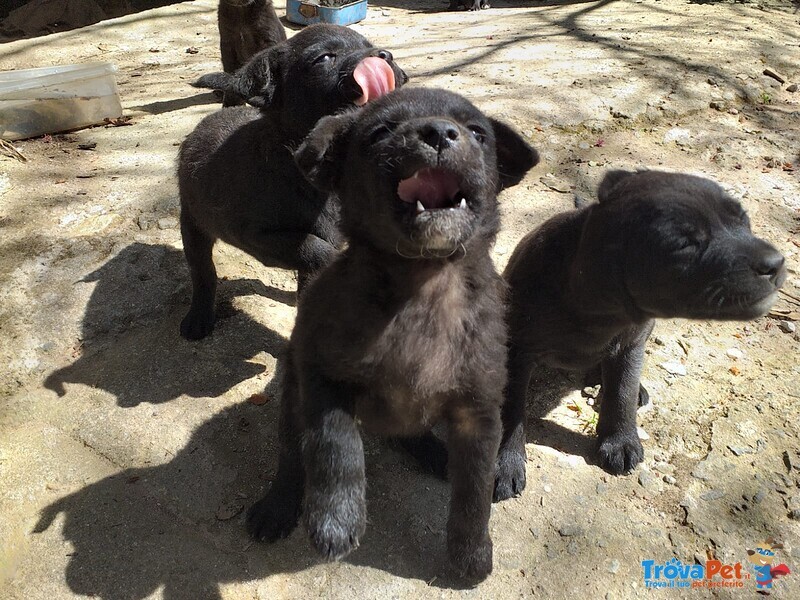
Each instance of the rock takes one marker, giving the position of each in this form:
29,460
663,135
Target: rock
555,184
734,353
795,514
670,479
591,392
789,462
570,530
674,368
643,435
613,567
740,450
719,105
648,481
572,547
547,488
774,74
678,135
792,88
601,488
168,223
712,495
787,326
759,496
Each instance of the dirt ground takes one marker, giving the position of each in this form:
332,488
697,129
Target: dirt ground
127,454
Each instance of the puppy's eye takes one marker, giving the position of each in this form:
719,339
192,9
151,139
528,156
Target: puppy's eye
327,58
479,134
379,133
686,245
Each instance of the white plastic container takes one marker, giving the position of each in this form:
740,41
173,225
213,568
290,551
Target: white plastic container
51,99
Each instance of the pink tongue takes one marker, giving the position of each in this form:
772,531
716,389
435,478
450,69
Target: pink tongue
434,188
375,78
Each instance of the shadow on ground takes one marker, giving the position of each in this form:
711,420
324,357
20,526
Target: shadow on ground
130,342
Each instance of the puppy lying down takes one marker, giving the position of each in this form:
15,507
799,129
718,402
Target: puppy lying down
405,328
586,287
237,179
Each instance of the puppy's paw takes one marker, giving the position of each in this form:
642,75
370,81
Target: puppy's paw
509,479
620,452
472,561
272,517
196,325
335,528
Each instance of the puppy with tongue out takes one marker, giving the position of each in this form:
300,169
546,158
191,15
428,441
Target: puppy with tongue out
405,328
237,179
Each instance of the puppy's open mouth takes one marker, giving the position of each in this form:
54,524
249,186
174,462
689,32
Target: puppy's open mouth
375,78
432,188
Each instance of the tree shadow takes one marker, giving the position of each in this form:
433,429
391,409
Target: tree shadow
26,23
130,345
165,106
180,525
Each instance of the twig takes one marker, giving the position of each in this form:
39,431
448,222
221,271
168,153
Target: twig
9,150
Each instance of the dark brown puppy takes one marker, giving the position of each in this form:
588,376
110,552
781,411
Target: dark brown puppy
405,328
469,4
237,178
245,28
586,287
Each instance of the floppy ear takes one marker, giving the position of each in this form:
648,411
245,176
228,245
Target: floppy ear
610,180
322,153
515,156
255,82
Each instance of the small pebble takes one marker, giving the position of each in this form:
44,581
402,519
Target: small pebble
643,435
547,488
614,566
787,326
795,514
792,88
674,368
734,353
569,530
669,479
712,495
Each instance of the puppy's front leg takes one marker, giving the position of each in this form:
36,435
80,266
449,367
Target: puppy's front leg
473,440
619,448
335,504
510,477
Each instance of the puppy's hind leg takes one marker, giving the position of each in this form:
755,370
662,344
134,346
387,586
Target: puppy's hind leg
276,515
619,448
473,440
197,247
510,477
335,504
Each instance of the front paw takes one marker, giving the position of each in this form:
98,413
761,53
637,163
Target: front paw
335,527
471,560
620,452
197,324
272,517
509,479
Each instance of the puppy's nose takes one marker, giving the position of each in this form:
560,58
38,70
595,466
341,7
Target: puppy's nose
385,55
439,134
769,263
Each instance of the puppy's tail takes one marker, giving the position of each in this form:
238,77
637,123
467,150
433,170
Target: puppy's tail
215,81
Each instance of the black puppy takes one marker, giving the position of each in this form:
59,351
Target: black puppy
245,28
469,4
586,287
237,179
405,328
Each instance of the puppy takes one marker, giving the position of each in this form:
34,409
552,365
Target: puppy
405,328
237,179
245,28
469,4
587,286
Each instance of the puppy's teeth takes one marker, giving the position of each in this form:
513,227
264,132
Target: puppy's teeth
463,203
420,208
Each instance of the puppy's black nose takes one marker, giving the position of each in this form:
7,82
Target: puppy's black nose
769,263
385,55
439,134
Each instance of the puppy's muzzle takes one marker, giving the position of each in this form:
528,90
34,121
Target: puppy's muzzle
770,264
440,134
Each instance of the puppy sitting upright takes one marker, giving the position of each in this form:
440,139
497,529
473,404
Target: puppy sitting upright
405,328
237,179
586,287
245,28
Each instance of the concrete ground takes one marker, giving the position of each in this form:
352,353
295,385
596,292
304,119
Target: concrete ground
128,455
